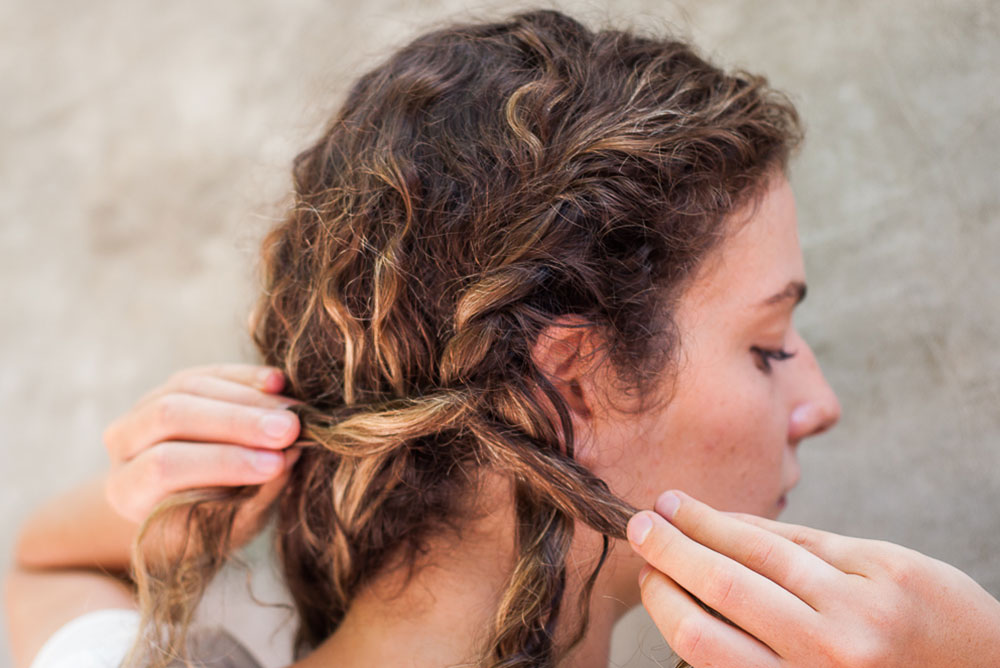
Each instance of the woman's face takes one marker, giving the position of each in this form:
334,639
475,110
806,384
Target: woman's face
747,388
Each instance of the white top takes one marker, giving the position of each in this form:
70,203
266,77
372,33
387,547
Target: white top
100,639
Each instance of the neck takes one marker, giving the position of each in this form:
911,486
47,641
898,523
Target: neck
442,614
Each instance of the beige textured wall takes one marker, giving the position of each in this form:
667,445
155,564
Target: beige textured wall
144,147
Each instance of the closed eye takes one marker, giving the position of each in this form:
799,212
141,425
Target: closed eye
765,356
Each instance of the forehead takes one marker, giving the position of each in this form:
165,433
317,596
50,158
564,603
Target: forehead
759,256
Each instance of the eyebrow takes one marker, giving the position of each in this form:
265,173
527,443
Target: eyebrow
795,290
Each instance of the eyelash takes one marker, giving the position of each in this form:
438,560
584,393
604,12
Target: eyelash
767,355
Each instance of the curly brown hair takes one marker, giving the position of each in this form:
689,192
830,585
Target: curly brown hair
485,182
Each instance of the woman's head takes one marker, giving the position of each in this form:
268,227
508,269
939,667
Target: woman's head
486,183
489,191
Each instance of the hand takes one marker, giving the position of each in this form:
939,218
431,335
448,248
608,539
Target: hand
801,597
209,426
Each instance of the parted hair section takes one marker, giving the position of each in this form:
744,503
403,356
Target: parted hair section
482,184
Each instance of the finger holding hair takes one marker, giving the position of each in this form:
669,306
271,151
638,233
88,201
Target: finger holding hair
186,417
750,600
261,377
866,602
796,569
249,384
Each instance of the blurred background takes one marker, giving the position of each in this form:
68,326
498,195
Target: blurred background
145,147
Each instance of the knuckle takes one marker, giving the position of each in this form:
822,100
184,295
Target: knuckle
167,411
901,574
899,566
720,587
191,384
801,536
159,467
761,553
686,637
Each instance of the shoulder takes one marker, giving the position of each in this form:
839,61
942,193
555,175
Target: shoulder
101,638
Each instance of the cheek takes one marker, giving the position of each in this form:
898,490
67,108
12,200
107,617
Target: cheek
729,453
721,441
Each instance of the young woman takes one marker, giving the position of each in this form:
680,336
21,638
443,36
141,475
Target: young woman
534,276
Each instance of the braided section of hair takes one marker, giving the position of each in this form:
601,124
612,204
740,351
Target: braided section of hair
479,186
552,493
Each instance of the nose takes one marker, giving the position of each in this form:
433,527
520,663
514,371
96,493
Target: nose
816,408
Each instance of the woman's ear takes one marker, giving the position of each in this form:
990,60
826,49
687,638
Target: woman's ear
565,352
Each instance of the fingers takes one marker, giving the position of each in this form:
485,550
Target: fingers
185,417
264,378
756,604
844,553
221,425
772,555
696,636
174,466
247,383
213,387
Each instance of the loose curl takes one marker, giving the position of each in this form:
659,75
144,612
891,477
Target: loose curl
484,182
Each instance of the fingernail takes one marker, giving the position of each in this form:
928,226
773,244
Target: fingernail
644,573
276,425
264,376
638,528
266,461
293,455
271,380
667,504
